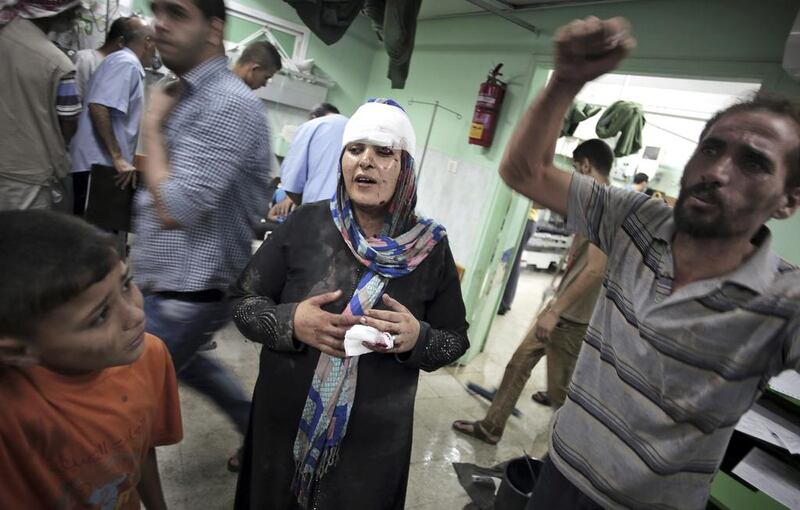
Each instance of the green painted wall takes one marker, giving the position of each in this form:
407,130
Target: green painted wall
786,240
689,38
452,76
723,39
237,29
348,62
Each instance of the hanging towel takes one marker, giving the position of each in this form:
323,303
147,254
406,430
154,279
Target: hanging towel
578,112
328,19
623,117
395,23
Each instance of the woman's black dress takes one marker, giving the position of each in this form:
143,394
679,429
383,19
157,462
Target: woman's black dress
305,257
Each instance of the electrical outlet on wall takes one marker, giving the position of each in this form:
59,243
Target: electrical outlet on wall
452,166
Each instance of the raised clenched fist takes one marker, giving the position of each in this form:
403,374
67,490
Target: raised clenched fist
588,48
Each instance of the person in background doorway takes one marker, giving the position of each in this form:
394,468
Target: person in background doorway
640,183
258,63
559,330
513,278
697,311
206,177
86,394
108,129
310,170
87,60
38,93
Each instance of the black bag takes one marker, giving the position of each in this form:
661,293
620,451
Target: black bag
516,480
516,488
108,206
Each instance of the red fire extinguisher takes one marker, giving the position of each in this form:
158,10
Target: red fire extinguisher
487,109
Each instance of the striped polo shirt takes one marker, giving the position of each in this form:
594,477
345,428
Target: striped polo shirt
663,377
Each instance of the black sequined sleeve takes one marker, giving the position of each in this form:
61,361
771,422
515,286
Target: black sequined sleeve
257,311
443,332
435,348
262,321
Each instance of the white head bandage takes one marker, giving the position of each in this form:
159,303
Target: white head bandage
383,125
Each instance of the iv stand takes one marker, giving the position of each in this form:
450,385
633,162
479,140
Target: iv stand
436,106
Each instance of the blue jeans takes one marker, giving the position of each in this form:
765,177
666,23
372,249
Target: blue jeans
184,326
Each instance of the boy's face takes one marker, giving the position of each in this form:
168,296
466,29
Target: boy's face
102,327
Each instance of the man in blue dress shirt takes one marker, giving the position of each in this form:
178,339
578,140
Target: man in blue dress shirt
108,128
311,168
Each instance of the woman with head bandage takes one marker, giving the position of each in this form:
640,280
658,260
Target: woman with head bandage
332,419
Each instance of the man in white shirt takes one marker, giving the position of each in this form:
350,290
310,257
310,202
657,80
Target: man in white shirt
108,129
311,168
258,63
86,61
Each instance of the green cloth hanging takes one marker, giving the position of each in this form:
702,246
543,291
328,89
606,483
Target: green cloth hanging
623,117
578,112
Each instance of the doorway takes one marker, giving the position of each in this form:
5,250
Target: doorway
675,109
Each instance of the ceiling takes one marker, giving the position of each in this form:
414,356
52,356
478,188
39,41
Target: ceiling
438,8
432,9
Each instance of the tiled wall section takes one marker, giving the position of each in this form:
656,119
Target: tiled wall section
455,193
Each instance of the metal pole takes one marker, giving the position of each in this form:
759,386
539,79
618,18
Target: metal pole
436,106
427,139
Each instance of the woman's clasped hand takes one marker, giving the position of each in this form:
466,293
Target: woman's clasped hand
398,321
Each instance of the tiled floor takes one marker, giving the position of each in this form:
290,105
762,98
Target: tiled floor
194,473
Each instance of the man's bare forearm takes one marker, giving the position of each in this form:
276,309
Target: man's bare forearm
583,51
591,275
527,164
532,146
101,121
69,126
157,170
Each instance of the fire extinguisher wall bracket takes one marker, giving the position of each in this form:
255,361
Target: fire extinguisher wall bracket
487,109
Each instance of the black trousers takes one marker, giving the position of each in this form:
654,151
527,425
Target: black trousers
554,492
511,286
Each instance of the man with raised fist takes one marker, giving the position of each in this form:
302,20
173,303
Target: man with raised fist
696,314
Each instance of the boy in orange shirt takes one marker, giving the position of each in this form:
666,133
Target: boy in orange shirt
85,394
